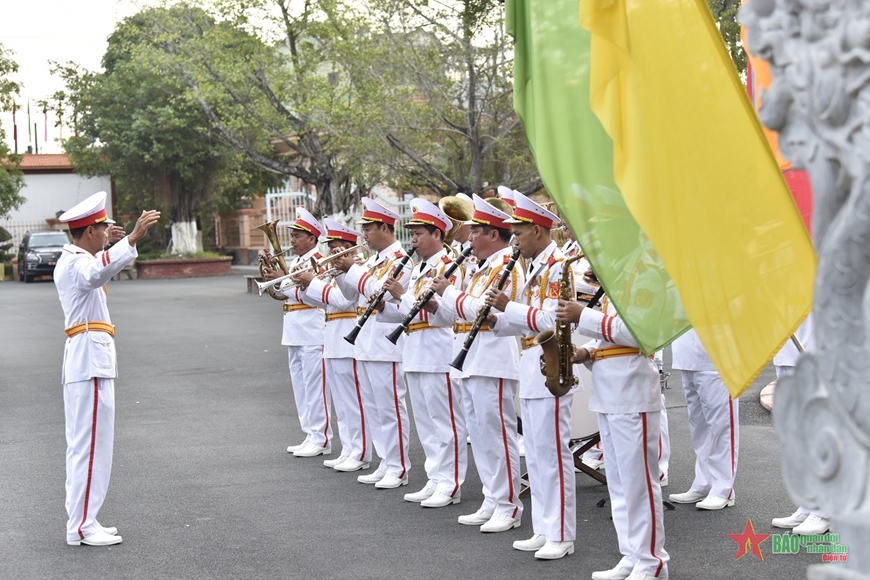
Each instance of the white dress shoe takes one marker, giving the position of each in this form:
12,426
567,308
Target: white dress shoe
688,497
791,521
99,538
555,550
333,462
351,464
112,531
371,478
423,494
294,448
439,499
663,482
478,518
618,573
640,576
391,482
312,450
593,463
500,523
533,544
813,525
713,502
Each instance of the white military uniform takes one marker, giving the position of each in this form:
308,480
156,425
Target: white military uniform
546,419
303,337
490,379
88,374
379,362
438,413
341,371
713,418
626,394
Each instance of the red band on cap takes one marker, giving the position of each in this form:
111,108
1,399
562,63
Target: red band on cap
90,220
378,217
510,201
530,216
489,220
307,227
340,235
429,219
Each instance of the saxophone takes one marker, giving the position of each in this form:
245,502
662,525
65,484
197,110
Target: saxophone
556,342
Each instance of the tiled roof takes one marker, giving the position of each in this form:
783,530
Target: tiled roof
43,162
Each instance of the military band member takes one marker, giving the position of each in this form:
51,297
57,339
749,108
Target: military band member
303,337
89,361
379,362
546,419
340,366
626,395
490,374
438,413
714,424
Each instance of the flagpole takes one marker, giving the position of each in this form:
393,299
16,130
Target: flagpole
14,129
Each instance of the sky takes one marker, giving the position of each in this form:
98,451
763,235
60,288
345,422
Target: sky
59,30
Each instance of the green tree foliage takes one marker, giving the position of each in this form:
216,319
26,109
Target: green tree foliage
725,14
11,178
138,122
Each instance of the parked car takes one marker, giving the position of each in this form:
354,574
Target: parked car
38,254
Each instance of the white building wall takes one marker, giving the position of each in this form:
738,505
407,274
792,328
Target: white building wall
47,193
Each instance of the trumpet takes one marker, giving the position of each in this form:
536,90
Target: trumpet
317,266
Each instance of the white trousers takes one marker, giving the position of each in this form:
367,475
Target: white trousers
630,442
715,429
440,422
341,376
89,412
664,443
492,422
546,434
383,394
308,377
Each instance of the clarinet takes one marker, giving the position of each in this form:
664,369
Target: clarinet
421,302
376,299
459,361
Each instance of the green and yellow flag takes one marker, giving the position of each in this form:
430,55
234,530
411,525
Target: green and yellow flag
696,171
575,158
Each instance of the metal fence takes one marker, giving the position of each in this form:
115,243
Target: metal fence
19,228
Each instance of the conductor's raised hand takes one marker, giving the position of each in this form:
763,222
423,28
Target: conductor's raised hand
569,311
143,224
116,234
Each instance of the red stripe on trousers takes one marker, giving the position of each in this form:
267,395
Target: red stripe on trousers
455,436
561,476
91,457
399,421
507,453
652,507
325,404
362,413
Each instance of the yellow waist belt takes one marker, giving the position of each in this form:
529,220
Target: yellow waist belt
528,342
464,327
597,354
330,316
415,326
86,326
295,307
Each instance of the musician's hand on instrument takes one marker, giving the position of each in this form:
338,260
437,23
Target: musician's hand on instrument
568,311
344,263
497,299
394,288
272,273
439,284
431,306
381,305
491,319
581,355
303,279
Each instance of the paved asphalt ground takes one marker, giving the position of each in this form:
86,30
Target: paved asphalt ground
202,487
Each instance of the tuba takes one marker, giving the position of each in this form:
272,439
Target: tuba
556,343
267,259
459,211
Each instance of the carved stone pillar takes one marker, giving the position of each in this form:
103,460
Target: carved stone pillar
819,102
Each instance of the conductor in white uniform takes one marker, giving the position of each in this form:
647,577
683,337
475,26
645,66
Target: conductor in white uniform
89,365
